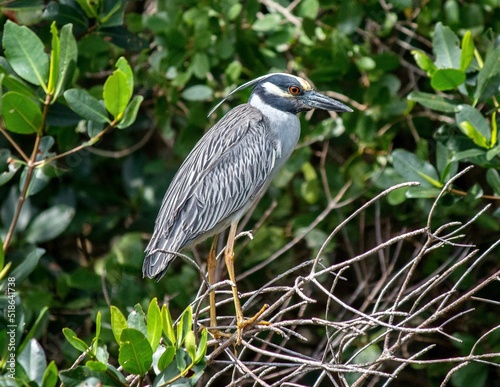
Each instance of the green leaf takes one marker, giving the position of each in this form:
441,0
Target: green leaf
29,263
488,79
95,365
493,179
433,101
14,83
81,102
137,319
472,123
424,62
494,129
190,344
39,180
50,377
412,168
166,358
36,327
67,61
168,326
154,324
130,113
116,94
50,223
492,153
118,322
21,114
185,325
200,65
467,154
26,55
308,9
267,23
97,328
124,67
33,360
197,93
76,376
446,47
2,258
473,374
467,51
55,55
202,347
74,340
447,79
135,353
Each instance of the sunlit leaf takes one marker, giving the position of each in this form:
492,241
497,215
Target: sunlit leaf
154,324
467,51
124,67
130,113
50,376
447,79
167,324
55,54
116,94
474,125
74,340
190,344
424,62
118,322
135,353
185,325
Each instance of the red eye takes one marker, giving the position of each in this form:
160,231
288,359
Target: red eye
294,90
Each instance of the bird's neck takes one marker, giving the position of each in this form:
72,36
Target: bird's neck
269,111
285,126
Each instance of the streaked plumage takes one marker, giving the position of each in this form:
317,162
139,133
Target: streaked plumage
231,165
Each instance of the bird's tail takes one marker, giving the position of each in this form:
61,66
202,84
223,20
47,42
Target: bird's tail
157,259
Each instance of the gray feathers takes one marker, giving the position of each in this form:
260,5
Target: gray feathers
219,179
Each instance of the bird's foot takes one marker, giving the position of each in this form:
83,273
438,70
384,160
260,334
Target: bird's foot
243,323
217,334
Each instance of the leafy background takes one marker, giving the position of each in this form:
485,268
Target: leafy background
422,77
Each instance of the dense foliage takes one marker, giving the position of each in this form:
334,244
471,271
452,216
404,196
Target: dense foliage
100,103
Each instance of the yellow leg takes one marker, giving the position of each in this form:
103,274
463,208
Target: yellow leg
241,323
212,265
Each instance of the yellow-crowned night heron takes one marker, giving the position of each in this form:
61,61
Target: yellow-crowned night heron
228,169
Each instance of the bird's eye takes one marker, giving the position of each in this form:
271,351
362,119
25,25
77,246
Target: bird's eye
294,90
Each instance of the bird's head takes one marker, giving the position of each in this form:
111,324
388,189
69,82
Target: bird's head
293,94
288,93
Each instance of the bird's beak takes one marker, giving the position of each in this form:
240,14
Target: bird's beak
314,100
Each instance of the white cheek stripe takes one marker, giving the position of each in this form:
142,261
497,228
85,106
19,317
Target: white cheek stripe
271,88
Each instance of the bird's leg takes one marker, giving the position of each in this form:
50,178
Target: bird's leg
241,323
212,265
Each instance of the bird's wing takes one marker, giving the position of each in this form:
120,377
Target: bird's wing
227,168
